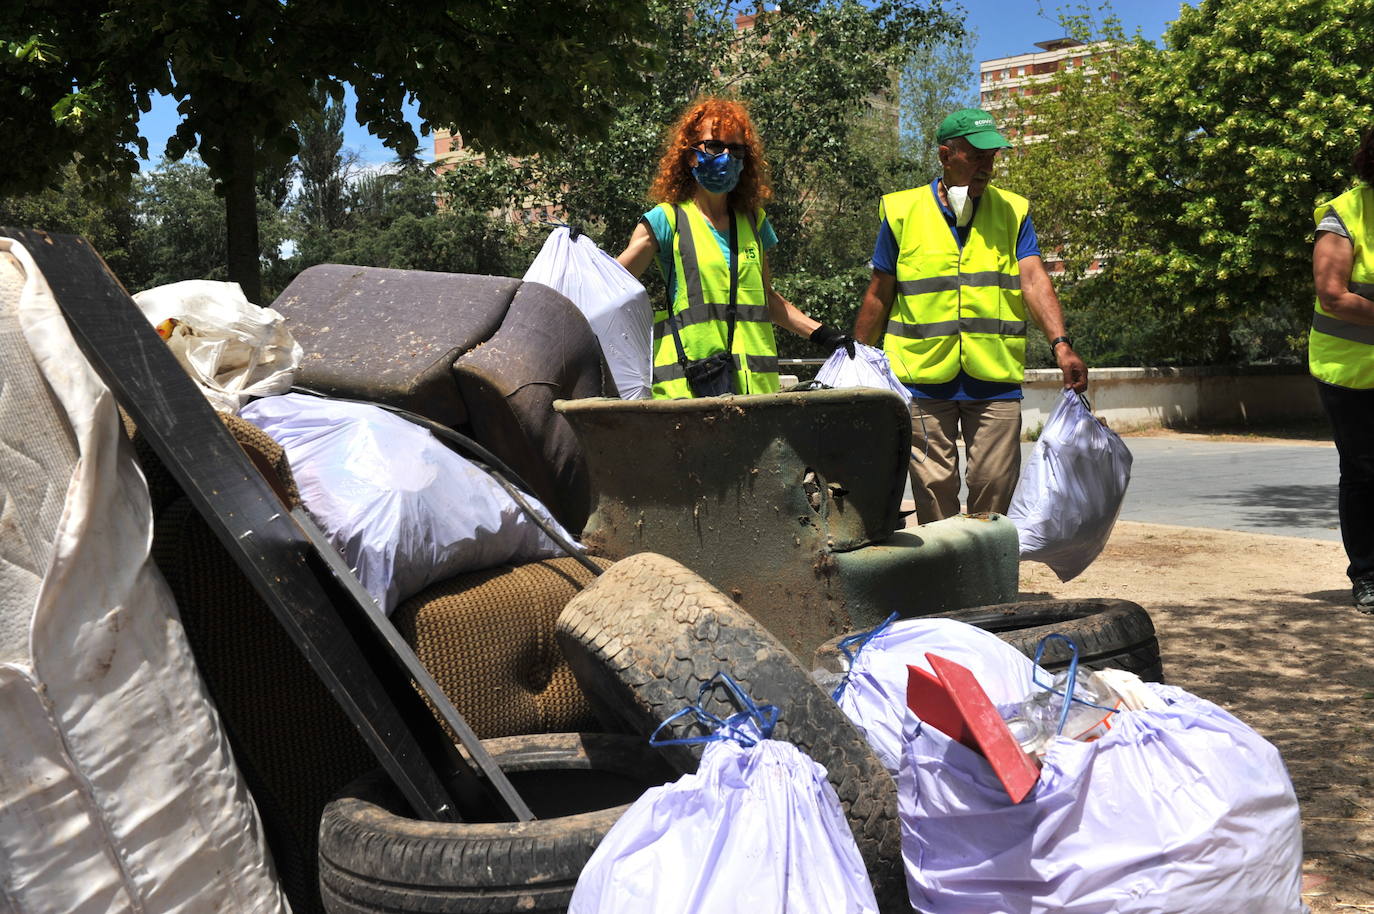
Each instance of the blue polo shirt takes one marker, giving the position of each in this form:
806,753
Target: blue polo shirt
964,386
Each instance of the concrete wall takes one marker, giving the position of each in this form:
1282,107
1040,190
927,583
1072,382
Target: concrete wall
1142,397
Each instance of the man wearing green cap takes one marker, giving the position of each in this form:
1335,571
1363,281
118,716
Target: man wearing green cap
956,273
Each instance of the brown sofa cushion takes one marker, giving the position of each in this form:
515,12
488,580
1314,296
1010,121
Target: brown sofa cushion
487,638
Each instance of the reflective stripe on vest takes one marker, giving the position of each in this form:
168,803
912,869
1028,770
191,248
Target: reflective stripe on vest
700,306
956,309
1340,352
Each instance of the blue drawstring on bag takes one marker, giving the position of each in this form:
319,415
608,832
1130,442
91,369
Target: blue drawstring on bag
858,641
1070,683
736,727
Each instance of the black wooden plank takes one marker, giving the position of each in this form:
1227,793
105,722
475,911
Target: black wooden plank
356,665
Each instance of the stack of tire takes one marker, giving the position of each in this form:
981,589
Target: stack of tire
642,640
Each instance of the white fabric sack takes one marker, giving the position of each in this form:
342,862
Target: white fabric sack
1178,811
402,509
118,794
1071,489
874,695
868,368
757,830
612,300
232,348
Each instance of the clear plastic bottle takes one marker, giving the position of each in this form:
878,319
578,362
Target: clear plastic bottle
1036,722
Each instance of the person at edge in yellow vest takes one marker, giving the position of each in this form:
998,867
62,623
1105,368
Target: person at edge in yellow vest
956,273
1340,355
712,179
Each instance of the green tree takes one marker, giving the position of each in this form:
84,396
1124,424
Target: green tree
243,73
74,206
1063,133
935,81
1239,126
820,78
179,231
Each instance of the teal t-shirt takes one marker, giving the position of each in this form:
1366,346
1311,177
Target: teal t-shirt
661,225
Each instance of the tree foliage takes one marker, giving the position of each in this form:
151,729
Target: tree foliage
819,76
244,71
1237,128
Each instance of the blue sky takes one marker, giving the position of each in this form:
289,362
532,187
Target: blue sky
1004,28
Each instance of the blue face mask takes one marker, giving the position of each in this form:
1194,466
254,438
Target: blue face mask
718,174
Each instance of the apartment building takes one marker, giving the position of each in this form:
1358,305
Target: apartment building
1002,79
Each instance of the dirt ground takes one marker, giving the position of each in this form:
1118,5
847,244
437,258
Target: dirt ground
1264,626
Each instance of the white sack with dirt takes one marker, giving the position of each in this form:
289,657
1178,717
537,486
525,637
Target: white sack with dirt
118,794
231,348
612,300
402,509
1176,811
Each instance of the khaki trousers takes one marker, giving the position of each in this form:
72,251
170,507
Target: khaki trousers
991,430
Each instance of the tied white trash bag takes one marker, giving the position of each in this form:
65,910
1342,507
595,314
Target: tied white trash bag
231,348
756,829
402,509
868,368
873,692
612,300
1071,489
1174,811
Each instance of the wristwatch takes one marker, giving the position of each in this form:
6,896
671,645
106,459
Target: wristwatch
1060,339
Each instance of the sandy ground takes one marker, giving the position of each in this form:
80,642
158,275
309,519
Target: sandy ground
1264,626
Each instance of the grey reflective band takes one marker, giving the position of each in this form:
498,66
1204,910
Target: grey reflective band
1363,289
691,275
1331,326
922,331
924,286
758,364
962,325
982,280
712,311
763,364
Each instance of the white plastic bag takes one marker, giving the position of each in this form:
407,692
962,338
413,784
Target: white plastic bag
1071,489
233,349
402,509
613,301
758,829
873,695
1176,811
868,368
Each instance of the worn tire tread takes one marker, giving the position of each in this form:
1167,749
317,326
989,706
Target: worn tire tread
374,860
648,632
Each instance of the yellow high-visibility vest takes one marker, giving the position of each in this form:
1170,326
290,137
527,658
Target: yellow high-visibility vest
1339,352
956,308
699,307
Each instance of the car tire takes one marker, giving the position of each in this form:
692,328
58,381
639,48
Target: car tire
644,636
375,858
1109,633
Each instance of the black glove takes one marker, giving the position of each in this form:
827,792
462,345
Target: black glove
833,339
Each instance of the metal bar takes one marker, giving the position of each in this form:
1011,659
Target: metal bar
416,670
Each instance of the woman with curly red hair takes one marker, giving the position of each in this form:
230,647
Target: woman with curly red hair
710,236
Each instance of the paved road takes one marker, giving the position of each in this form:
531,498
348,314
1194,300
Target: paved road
1280,489
1285,490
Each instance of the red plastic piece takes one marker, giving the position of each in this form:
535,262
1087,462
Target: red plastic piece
954,703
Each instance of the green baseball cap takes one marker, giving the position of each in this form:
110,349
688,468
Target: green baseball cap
973,125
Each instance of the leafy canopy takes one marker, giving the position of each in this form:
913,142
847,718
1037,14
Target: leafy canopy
1238,128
